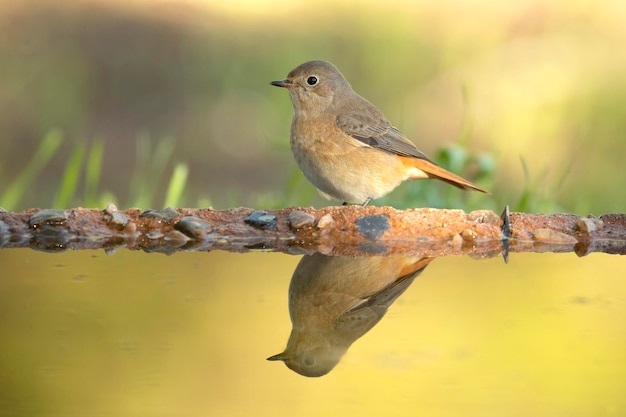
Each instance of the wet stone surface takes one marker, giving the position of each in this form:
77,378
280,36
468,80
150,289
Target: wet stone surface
50,231
193,227
119,220
4,233
373,226
166,215
587,224
298,219
325,221
48,217
335,230
262,220
484,216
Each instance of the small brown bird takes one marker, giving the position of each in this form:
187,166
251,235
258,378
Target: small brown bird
344,145
334,300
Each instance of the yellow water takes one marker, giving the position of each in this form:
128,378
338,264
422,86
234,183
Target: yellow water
138,334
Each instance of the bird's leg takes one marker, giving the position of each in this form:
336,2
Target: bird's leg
365,203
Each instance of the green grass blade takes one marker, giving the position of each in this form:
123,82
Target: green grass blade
162,156
93,171
523,202
46,150
149,169
176,185
138,192
71,178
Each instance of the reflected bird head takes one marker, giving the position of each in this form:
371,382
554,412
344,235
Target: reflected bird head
312,363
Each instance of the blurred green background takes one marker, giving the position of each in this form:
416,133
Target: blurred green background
526,98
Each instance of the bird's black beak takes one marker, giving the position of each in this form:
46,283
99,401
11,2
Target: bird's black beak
281,356
281,83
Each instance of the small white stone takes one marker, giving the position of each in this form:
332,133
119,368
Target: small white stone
325,221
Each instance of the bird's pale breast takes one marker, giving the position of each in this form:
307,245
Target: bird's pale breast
338,165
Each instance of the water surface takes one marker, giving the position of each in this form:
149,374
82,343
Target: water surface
138,334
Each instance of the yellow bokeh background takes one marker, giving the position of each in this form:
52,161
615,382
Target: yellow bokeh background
145,334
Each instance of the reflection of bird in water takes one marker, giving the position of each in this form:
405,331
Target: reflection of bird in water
335,300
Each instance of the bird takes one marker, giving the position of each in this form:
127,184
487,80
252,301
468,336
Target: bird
345,146
334,300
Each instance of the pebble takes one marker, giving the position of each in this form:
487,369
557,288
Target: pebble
4,233
469,235
262,220
166,215
110,209
373,226
484,216
325,221
49,217
194,227
118,219
587,225
298,219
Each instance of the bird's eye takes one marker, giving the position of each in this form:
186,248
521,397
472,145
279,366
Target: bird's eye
309,360
311,80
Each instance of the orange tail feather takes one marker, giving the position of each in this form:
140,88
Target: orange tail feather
430,170
416,266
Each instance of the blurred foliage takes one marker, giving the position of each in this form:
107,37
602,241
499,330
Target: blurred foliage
26,176
79,183
138,88
480,168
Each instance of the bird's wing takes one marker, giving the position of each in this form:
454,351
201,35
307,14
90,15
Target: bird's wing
365,314
378,133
